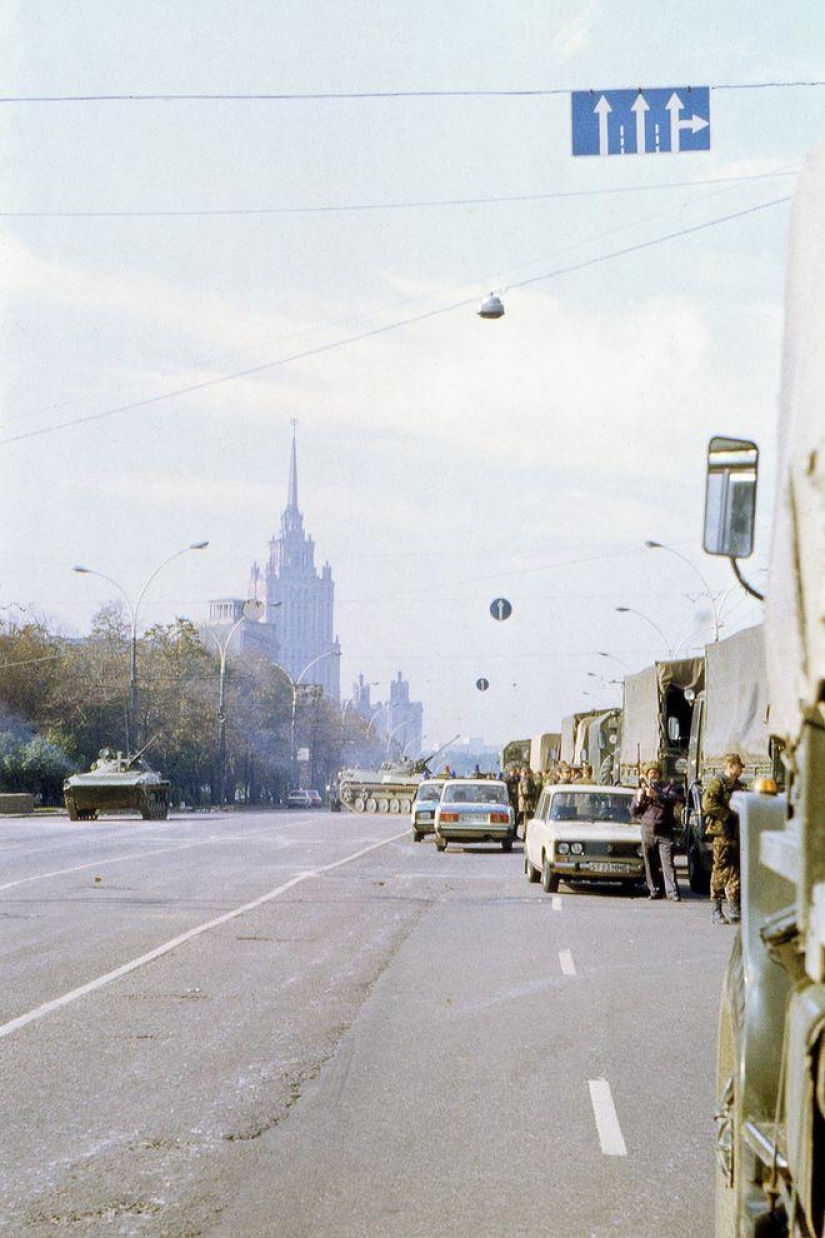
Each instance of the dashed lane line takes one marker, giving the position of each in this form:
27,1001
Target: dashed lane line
567,964
607,1120
40,1012
556,903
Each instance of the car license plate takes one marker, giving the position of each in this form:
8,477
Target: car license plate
606,867
474,816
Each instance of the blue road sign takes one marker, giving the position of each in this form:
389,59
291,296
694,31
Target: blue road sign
482,684
641,122
501,609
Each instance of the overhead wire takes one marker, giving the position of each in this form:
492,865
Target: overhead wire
384,329
416,204
318,96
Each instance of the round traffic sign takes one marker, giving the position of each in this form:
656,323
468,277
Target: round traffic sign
501,609
482,684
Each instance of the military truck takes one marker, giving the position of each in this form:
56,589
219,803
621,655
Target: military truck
545,751
770,1107
597,743
731,714
656,716
570,731
116,782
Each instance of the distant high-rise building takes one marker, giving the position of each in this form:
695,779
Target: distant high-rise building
404,717
299,600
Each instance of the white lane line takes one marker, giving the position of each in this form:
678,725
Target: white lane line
607,1121
556,903
139,855
567,964
66,999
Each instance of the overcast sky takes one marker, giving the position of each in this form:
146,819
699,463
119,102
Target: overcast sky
443,460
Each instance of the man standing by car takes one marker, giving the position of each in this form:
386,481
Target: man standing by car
654,807
722,825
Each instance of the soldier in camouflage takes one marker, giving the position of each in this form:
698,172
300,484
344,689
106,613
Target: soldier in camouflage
722,825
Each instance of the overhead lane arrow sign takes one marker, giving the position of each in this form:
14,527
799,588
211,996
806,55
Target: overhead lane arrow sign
603,110
642,121
639,108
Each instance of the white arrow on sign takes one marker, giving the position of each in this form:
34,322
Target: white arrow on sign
640,106
603,110
675,105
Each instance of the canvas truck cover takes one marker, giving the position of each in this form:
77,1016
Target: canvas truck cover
736,699
795,605
644,725
569,731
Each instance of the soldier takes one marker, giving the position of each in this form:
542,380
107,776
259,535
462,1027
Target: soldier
722,825
511,781
526,796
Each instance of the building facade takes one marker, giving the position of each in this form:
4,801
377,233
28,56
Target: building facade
298,599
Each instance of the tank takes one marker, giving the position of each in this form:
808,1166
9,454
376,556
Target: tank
116,782
391,788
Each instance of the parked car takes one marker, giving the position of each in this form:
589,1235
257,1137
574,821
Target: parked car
582,832
474,811
422,814
315,799
298,799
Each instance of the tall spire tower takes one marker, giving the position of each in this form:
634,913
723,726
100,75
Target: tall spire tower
299,599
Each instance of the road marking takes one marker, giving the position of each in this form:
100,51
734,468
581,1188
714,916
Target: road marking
556,903
567,964
607,1121
66,999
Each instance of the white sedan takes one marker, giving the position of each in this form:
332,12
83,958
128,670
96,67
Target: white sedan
474,811
582,832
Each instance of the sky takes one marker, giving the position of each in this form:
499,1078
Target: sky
183,278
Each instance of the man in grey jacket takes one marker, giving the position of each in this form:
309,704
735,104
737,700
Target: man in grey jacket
655,806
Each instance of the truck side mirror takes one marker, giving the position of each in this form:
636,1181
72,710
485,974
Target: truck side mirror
730,497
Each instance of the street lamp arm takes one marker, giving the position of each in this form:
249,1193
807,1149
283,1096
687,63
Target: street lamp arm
90,571
651,545
330,653
628,610
176,555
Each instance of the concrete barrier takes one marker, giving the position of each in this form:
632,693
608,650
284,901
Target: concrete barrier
15,805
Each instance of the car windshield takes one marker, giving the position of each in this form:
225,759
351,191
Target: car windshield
429,794
476,793
590,806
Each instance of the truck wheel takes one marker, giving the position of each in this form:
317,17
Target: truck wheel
406,806
371,805
395,805
698,879
383,805
359,803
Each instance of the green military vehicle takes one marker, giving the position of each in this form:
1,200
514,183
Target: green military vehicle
115,783
657,709
770,1107
731,714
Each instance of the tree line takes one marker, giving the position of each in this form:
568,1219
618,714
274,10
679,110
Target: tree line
63,699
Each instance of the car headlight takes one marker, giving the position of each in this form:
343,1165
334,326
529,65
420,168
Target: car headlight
563,848
577,848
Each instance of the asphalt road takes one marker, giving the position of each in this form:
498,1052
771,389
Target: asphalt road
305,1024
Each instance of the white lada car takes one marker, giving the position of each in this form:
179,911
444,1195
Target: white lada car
424,805
474,811
582,832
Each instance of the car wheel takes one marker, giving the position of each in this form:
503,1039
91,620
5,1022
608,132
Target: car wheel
440,843
507,844
549,879
417,835
531,873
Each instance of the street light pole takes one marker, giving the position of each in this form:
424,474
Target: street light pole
134,608
294,685
628,610
651,545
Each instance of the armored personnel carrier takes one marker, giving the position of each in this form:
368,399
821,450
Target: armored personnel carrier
116,782
391,788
